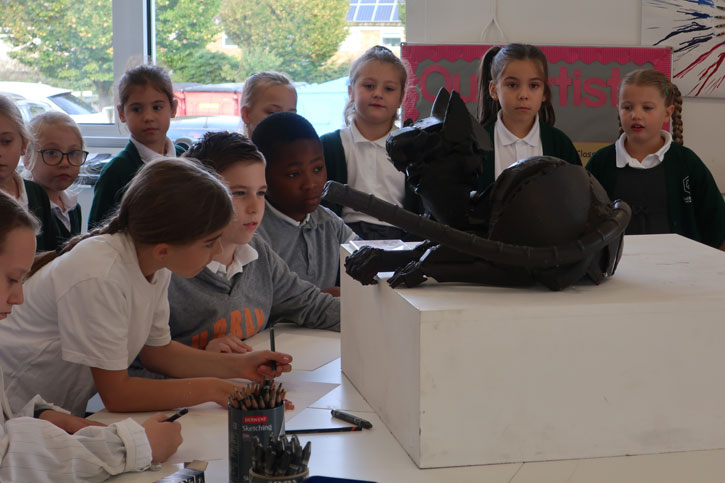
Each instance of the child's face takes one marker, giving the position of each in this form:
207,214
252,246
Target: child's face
642,112
190,259
60,176
296,178
248,186
147,113
275,98
377,93
12,146
15,261
520,91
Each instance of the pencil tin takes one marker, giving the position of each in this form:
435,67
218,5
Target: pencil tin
243,425
255,478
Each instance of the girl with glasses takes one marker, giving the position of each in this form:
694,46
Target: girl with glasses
14,139
53,160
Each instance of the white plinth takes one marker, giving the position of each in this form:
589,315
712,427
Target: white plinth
465,375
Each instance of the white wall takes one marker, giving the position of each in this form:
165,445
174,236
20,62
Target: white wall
566,22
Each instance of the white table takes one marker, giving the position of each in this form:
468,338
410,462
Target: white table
377,456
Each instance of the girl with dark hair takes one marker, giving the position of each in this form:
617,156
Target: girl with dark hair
146,104
41,449
514,105
668,187
103,301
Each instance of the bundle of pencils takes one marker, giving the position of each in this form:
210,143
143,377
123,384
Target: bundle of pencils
257,396
281,457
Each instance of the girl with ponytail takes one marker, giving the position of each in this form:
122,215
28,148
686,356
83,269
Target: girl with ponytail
668,187
514,105
102,301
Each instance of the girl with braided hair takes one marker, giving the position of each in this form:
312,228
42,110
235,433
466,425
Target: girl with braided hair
668,187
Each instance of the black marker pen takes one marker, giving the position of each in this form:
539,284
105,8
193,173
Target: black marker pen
352,419
175,416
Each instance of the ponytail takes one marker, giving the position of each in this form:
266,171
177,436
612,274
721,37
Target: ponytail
488,107
493,65
170,200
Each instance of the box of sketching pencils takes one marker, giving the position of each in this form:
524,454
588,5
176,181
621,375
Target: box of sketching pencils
256,411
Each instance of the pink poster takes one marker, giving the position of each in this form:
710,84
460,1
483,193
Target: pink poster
583,80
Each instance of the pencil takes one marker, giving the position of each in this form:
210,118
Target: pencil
344,429
271,347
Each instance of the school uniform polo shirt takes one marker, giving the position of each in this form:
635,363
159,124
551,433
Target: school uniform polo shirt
70,200
510,149
650,161
147,154
243,255
370,170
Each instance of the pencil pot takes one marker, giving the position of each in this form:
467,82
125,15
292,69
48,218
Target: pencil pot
255,478
243,426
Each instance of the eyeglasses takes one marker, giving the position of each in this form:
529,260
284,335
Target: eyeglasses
53,157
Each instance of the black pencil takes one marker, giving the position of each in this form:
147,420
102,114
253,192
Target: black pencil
343,429
271,346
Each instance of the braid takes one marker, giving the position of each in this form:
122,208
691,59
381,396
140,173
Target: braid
677,127
113,226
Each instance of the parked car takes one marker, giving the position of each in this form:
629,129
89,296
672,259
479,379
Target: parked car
34,98
185,131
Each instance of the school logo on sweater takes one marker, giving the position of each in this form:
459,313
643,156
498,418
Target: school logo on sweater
687,198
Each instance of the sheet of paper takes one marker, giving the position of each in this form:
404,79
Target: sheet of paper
310,348
205,444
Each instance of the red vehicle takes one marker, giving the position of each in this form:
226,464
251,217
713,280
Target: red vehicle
209,99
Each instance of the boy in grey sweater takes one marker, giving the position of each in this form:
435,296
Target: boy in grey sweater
306,235
247,286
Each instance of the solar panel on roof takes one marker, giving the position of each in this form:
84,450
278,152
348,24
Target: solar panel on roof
373,11
382,13
365,13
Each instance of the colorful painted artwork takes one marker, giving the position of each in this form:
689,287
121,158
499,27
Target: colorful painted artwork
695,29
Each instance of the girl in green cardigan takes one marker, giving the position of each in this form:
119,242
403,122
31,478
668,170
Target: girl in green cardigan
668,187
146,104
53,160
14,138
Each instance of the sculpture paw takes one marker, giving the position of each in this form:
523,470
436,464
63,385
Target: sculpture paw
411,275
364,264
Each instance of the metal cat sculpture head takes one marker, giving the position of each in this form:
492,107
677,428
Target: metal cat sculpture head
543,220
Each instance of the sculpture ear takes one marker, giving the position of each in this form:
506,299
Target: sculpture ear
440,104
457,122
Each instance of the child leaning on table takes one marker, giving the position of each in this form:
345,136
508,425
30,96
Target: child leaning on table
306,235
104,300
247,286
42,450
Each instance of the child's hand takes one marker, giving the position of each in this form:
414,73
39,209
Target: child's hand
228,343
164,438
257,365
67,422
